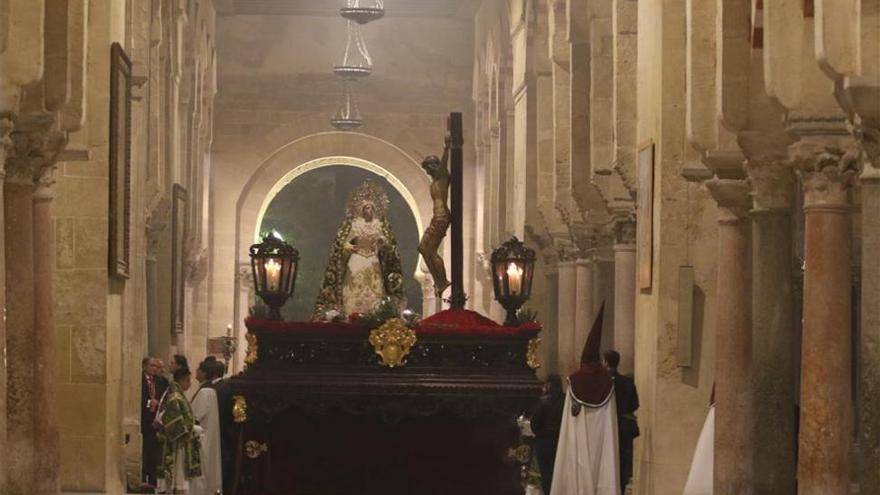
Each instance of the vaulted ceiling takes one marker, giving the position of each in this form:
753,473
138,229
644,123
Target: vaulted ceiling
446,9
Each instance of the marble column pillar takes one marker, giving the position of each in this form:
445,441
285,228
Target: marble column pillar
5,144
869,348
46,435
565,316
826,356
733,336
18,203
774,341
584,307
625,293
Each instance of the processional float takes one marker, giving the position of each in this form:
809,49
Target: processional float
388,403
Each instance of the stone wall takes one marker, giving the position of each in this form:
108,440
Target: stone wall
82,332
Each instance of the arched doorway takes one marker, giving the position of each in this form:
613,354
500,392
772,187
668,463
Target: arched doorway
290,209
230,270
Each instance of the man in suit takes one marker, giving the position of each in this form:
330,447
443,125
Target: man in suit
153,386
627,426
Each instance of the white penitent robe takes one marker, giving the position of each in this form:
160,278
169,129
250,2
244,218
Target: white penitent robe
587,458
701,477
206,413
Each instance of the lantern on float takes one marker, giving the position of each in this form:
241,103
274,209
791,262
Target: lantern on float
513,267
274,264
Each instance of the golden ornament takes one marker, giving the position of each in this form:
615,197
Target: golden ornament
239,409
532,353
392,342
251,356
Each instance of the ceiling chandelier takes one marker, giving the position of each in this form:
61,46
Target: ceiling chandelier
347,116
363,11
356,62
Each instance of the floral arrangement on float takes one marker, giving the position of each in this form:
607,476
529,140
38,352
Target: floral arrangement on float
384,310
392,332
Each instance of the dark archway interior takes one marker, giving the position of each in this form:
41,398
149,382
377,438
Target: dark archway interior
309,210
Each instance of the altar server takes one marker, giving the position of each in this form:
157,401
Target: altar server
178,435
586,459
701,477
204,407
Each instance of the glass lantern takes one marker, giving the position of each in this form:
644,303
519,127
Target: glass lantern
513,267
274,264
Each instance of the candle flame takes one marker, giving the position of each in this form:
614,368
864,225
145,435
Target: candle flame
273,272
514,278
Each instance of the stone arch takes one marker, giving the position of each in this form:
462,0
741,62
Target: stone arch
313,151
348,161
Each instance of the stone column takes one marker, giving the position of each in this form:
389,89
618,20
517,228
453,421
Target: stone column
46,436
733,336
868,134
826,356
774,341
869,394
5,145
156,222
18,204
625,292
584,307
565,316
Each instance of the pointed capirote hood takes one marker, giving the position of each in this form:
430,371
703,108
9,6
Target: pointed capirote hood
592,383
590,353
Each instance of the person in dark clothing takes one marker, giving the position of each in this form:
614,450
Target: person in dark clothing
545,423
153,386
627,400
178,362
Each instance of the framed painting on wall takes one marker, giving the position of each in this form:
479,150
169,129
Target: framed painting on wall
119,161
645,212
178,234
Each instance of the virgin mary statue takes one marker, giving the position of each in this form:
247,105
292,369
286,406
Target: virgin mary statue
364,267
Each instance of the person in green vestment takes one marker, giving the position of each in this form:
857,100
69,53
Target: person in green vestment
179,440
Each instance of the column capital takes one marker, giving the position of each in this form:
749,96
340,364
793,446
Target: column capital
567,256
35,147
624,227
772,183
195,267
583,262
44,182
867,134
827,172
6,143
732,196
245,276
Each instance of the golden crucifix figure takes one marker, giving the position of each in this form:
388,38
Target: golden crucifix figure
436,231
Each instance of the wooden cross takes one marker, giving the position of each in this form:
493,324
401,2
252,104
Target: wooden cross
458,296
